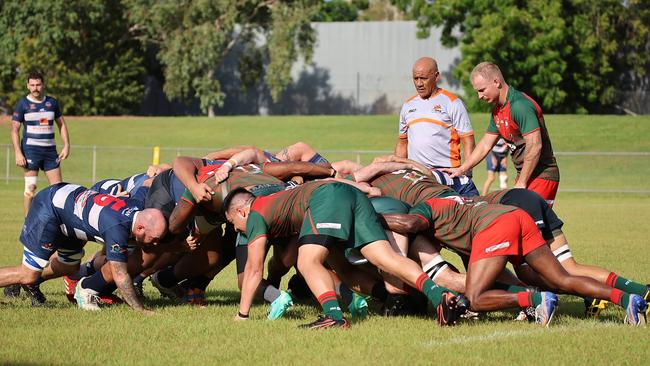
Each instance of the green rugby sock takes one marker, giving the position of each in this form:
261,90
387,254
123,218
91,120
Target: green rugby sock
509,288
619,297
623,284
430,289
330,305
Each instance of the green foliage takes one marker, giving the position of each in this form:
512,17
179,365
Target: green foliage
193,38
572,56
90,63
337,11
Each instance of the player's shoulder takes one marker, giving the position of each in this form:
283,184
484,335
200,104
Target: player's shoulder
22,103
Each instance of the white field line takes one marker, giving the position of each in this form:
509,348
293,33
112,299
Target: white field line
499,334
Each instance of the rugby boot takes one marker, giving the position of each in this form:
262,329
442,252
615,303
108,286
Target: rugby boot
86,298
34,294
358,307
70,288
396,305
174,293
448,311
544,312
527,314
635,312
109,299
12,291
593,307
280,305
325,322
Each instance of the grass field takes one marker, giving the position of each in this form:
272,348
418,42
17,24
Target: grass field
609,229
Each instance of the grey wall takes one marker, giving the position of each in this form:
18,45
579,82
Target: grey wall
358,67
369,63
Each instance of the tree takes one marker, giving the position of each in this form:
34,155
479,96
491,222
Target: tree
90,63
193,37
569,54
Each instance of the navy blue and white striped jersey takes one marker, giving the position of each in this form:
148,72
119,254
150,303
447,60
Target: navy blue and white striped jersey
38,120
128,184
88,215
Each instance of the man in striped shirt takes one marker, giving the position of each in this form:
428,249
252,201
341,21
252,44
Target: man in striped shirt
37,149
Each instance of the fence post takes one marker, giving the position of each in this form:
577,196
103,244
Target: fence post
358,158
94,164
7,167
156,155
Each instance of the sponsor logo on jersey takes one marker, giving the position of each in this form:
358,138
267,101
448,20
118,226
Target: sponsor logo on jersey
32,106
47,246
115,248
129,211
412,110
328,225
44,121
495,247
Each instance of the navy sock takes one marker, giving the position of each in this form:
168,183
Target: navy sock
138,280
86,270
95,282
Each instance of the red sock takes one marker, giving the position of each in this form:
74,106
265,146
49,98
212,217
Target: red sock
611,279
524,299
616,296
326,296
419,283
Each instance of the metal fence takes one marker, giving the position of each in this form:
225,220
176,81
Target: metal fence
614,171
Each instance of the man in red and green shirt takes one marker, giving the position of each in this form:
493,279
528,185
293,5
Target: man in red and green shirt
325,216
491,236
518,119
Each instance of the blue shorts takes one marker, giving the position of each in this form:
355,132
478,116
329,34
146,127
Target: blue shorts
463,185
42,236
496,162
41,158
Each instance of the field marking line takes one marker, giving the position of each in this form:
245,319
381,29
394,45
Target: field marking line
499,334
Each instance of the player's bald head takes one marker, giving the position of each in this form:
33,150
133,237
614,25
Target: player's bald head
154,224
487,71
426,64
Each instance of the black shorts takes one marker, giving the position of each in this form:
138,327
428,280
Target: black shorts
536,207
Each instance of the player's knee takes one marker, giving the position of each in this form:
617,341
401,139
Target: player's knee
435,268
30,186
563,255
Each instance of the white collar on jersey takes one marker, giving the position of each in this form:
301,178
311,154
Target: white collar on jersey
36,101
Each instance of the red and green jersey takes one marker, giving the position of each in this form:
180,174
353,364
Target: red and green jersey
518,117
492,197
280,214
455,224
411,186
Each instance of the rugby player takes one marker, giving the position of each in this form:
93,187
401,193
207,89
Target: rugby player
37,149
517,119
492,235
329,216
65,216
